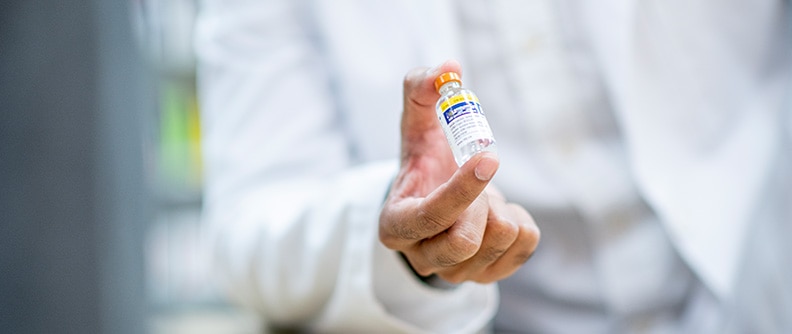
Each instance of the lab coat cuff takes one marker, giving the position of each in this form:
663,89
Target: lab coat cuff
465,308
376,290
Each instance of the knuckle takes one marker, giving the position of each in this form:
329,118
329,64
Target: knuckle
522,257
463,244
395,235
503,229
531,234
459,247
403,233
386,239
435,221
445,260
491,254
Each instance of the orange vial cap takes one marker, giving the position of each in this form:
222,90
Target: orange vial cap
446,77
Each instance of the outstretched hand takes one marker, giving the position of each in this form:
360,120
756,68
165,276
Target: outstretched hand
446,220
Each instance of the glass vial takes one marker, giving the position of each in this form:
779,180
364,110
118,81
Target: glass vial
462,119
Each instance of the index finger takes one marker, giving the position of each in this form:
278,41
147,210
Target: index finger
420,97
441,208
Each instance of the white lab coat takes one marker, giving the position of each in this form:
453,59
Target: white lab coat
301,105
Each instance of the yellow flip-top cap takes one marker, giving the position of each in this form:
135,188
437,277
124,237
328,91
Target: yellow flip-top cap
446,77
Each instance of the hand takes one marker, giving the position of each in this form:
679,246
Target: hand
447,220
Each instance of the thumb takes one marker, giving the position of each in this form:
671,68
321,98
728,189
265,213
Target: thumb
449,200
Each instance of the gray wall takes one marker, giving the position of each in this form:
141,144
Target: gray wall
72,200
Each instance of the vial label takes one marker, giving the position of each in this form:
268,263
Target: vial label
465,119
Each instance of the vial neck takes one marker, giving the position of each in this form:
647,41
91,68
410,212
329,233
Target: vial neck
448,87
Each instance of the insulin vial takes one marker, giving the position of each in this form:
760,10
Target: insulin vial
462,119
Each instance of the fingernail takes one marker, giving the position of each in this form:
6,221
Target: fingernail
486,168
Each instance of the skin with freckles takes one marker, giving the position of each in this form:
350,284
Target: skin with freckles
446,220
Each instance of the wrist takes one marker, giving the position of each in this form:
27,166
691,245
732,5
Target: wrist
432,280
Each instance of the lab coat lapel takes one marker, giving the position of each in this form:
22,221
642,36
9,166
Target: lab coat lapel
700,164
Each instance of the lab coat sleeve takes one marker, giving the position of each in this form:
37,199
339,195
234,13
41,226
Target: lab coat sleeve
291,222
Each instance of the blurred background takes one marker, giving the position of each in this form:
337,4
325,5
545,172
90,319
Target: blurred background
100,172
179,284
